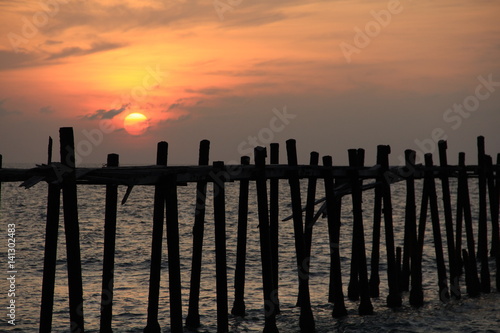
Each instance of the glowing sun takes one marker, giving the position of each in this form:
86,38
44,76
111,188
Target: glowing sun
136,123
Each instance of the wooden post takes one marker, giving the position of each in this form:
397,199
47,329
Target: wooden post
193,316
353,286
436,228
220,248
309,220
359,252
482,235
153,325
109,250
464,204
394,297
497,255
448,217
333,218
72,231
306,316
50,256
493,197
377,221
274,223
410,238
174,264
265,246
241,251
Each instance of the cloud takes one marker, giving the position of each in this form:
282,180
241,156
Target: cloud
105,114
46,110
10,60
77,51
4,111
208,91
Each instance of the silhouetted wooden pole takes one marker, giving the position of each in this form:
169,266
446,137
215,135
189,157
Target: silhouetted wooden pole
241,251
410,236
336,295
497,259
72,231
493,197
265,246
356,158
374,282
274,223
153,325
353,286
309,220
306,316
482,235
448,216
109,250
464,204
50,256
436,229
394,297
174,264
220,248
193,317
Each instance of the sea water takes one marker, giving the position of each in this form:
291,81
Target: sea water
27,210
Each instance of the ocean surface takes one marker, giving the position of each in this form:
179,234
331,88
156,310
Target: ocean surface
27,210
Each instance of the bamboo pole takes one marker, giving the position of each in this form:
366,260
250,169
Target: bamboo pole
193,316
153,326
220,249
50,256
482,235
265,246
72,231
374,282
336,295
241,251
109,250
410,239
493,198
306,316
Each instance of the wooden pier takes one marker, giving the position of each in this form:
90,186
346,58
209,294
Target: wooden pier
403,264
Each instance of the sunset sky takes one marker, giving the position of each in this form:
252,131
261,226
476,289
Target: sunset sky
332,74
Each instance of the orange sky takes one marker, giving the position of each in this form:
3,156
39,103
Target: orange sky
199,72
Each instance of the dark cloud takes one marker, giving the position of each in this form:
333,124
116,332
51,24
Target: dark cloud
4,111
105,114
208,91
77,51
10,60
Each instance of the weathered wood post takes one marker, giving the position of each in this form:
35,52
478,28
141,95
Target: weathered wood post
153,326
493,197
333,217
274,222
355,161
174,264
377,222
265,246
306,316
482,235
220,246
473,287
193,316
353,286
444,295
448,217
109,250
309,219
241,250
50,256
410,236
394,297
72,231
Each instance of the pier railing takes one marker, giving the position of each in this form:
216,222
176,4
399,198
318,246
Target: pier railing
404,265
